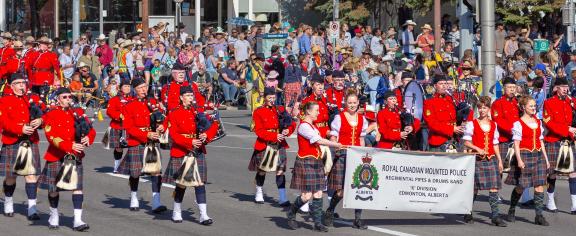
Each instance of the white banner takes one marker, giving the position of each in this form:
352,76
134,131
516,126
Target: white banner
379,179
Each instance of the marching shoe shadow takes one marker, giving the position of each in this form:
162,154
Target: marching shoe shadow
446,220
145,206
282,222
244,127
104,169
242,197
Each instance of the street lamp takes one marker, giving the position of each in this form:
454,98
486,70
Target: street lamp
177,23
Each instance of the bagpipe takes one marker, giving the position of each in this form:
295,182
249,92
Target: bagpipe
67,177
151,158
24,158
269,162
565,163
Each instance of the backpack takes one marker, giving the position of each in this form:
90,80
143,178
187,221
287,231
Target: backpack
383,86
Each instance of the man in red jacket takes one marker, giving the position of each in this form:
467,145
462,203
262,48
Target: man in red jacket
6,53
63,139
335,94
189,138
505,112
42,66
171,92
137,122
116,132
392,135
440,115
559,139
272,128
20,128
317,95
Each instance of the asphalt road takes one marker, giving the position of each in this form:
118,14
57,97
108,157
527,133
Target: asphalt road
230,202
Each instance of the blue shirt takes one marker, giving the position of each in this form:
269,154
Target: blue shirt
304,44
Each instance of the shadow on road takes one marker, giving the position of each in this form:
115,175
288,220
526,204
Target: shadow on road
104,169
282,223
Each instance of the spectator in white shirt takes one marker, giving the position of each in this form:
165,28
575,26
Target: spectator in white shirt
376,44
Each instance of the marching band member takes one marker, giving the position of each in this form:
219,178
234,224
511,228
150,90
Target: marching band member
137,119
171,91
12,65
348,128
440,115
390,123
61,133
42,66
505,112
20,130
308,174
6,53
335,94
114,111
188,139
269,131
481,135
318,95
531,163
558,121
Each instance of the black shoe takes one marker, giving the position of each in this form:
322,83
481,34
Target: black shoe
81,228
497,221
359,224
320,228
511,217
258,202
285,204
336,216
528,203
134,208
34,217
11,214
292,223
177,221
468,219
328,218
301,212
159,209
207,222
53,227
552,211
540,220
573,212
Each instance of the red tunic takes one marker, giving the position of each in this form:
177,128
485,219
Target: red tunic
483,139
59,128
348,134
183,130
305,148
114,110
530,137
557,118
390,127
173,92
399,97
137,121
267,125
6,53
322,121
505,112
15,114
440,115
42,67
335,97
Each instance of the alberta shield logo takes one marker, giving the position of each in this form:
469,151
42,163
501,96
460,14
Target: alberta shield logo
365,179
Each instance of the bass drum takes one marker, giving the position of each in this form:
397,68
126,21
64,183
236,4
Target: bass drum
414,99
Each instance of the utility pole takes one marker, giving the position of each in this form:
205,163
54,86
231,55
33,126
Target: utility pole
56,18
145,23
101,16
437,25
487,21
335,18
75,20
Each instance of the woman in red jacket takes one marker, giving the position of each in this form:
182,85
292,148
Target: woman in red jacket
189,139
61,132
114,111
392,135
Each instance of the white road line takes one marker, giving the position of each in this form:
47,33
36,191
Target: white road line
378,229
141,179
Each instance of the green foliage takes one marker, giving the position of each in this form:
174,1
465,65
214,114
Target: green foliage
351,11
525,12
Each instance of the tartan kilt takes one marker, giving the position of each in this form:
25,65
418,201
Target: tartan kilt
258,155
8,157
132,164
534,173
291,89
175,163
48,178
308,175
486,175
552,149
503,147
338,172
114,138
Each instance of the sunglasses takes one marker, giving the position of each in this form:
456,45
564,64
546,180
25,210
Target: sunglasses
66,97
467,68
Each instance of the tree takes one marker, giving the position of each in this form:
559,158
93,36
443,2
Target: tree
351,11
525,12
